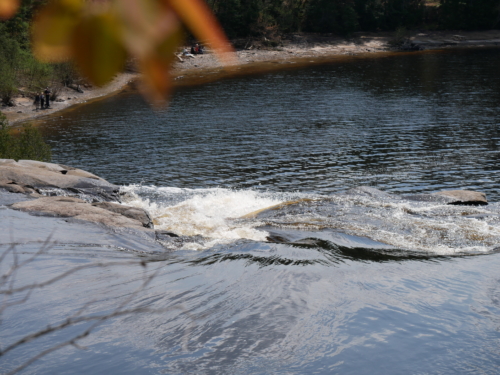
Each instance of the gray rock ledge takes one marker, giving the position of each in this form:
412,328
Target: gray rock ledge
67,192
34,177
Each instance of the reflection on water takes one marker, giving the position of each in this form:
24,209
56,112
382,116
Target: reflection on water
333,283
240,311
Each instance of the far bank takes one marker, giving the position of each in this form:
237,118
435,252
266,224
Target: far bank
296,50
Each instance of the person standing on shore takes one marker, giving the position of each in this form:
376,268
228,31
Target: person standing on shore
47,97
37,101
42,100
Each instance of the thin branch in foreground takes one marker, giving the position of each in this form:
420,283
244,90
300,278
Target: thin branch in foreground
46,246
8,281
73,342
63,275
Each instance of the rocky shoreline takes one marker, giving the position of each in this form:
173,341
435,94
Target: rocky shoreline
294,50
49,190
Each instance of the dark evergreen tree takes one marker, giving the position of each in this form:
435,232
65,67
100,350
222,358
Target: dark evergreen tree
470,14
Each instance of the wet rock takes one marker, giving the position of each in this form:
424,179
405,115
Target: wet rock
55,179
326,237
162,234
279,209
168,239
70,207
173,241
11,187
313,242
453,197
464,197
276,238
131,212
7,198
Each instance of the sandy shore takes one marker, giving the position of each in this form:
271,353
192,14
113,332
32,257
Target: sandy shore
295,50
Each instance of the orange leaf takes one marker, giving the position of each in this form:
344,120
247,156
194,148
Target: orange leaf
155,69
144,24
53,29
97,50
156,79
8,8
200,20
166,49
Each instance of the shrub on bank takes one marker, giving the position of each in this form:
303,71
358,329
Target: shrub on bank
29,144
18,68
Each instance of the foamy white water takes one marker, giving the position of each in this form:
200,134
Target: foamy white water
214,214
210,213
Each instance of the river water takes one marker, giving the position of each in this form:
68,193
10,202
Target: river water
334,281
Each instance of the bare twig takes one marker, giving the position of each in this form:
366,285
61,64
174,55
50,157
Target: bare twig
99,319
9,290
63,275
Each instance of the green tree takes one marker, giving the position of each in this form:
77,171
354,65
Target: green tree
10,61
6,143
18,27
327,16
29,144
469,14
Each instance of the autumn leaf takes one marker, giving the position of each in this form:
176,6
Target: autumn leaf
99,35
145,24
97,48
8,8
53,30
203,24
155,68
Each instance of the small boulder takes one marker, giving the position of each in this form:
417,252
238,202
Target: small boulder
464,197
12,188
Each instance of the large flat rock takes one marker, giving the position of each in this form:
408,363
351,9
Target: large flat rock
27,176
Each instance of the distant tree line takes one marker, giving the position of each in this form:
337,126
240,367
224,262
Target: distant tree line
242,18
